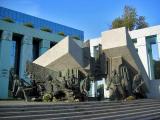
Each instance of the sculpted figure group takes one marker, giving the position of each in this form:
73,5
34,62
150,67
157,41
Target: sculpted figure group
72,84
121,86
66,86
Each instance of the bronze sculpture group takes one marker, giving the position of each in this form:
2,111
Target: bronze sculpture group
121,86
68,85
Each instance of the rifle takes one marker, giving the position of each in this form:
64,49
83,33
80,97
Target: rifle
138,86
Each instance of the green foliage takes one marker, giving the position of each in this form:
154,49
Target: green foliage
7,19
28,25
117,23
46,30
141,23
61,33
129,19
47,97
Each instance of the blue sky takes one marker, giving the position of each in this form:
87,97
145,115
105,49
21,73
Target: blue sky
91,16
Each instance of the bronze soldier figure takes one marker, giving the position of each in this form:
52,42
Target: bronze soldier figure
137,88
117,86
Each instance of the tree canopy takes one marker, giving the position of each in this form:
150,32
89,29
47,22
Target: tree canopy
129,19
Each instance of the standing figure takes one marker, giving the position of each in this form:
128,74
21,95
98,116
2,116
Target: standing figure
11,78
84,88
15,84
49,85
18,87
117,86
137,88
125,80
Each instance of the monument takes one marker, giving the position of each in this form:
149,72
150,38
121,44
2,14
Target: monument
64,72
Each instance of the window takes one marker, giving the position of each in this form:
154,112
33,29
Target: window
153,59
36,46
16,47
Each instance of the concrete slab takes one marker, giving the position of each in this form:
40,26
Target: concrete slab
64,55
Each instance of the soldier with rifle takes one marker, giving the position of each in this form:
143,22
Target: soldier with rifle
137,86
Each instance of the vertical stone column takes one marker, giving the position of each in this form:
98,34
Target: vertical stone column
5,63
143,54
44,46
25,55
158,42
106,92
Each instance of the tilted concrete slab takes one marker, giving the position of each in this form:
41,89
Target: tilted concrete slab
117,42
66,54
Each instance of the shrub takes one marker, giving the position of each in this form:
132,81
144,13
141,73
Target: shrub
47,97
7,19
130,98
29,25
46,30
61,33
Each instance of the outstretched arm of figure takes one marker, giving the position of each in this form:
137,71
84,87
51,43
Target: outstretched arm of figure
25,82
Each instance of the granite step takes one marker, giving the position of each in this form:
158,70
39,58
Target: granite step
75,109
98,110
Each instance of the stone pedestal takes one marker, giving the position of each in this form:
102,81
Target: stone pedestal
106,92
44,46
26,55
5,63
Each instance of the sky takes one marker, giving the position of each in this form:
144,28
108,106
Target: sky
90,16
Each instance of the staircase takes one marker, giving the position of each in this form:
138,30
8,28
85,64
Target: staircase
146,109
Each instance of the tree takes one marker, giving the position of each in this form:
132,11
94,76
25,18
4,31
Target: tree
117,23
141,23
129,19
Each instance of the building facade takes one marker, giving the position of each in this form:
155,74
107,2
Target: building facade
147,43
39,23
20,43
